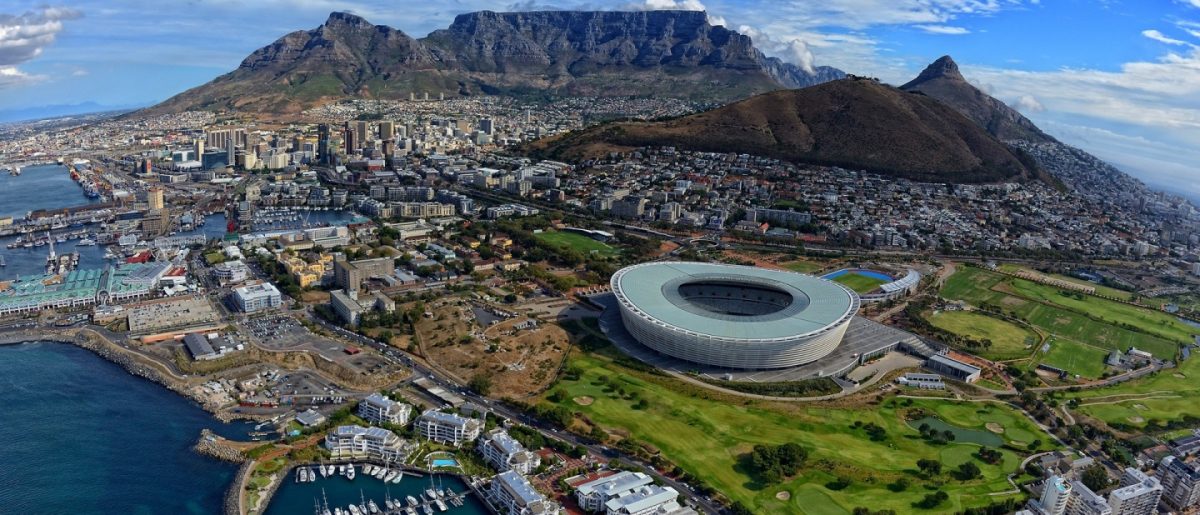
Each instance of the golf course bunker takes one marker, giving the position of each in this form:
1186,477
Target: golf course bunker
1136,420
584,401
961,434
995,428
784,495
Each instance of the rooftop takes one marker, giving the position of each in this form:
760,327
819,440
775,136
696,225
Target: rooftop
656,290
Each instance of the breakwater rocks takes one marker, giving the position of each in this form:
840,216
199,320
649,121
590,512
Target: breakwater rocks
216,447
233,496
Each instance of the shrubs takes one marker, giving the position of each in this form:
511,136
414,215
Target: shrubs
988,455
932,500
773,463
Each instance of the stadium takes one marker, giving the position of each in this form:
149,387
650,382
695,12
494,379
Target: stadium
736,317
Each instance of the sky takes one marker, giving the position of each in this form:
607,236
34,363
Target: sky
1118,78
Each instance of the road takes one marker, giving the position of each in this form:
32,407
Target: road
421,369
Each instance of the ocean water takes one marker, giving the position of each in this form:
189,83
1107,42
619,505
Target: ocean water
39,187
80,435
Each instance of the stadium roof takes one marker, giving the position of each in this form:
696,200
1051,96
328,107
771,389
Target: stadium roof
817,303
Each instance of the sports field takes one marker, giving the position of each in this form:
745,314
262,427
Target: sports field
1009,340
1075,358
1100,289
1166,395
577,242
1086,319
802,266
859,282
708,434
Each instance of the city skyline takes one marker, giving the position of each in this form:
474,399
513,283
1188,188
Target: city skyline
1121,84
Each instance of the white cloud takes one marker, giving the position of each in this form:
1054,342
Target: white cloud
11,76
1162,38
1028,104
24,36
947,30
657,5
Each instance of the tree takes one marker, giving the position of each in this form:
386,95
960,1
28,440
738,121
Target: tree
481,383
929,467
968,471
1095,477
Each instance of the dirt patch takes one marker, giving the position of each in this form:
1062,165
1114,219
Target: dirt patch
784,495
518,362
1012,301
1136,420
995,428
1062,321
584,401
1140,407
315,297
1180,376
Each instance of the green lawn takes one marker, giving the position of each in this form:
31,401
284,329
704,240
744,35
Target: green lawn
1100,289
804,267
1165,395
1009,340
859,282
1086,319
1075,358
576,241
708,434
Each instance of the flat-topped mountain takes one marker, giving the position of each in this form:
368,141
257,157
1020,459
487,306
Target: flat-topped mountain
855,123
607,53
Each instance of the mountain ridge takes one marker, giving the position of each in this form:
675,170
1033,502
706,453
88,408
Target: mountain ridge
600,53
855,123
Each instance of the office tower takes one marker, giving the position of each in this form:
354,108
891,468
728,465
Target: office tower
323,144
154,197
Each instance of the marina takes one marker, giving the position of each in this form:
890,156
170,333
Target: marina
332,489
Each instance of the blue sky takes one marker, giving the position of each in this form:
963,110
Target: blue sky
1120,78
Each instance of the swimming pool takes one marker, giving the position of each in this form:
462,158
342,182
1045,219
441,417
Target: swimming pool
444,462
868,273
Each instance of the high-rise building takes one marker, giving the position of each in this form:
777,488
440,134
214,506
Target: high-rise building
323,144
199,144
486,126
363,130
1138,495
1055,496
1180,482
154,197
387,130
351,141
1084,501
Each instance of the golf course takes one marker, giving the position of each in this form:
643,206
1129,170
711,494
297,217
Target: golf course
710,435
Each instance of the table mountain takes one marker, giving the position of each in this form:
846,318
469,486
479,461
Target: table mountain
856,123
643,53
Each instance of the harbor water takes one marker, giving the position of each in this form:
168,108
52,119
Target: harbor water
299,498
39,187
81,435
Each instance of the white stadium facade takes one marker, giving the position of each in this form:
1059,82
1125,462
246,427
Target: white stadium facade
735,317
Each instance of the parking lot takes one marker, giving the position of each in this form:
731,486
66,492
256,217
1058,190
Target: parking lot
278,332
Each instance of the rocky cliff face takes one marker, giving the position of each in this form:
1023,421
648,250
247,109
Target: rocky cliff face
943,81
644,53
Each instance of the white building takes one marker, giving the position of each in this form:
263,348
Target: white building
511,493
593,495
367,442
448,428
378,409
253,298
647,500
230,272
1055,496
1138,495
504,453
1084,501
